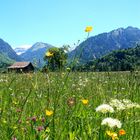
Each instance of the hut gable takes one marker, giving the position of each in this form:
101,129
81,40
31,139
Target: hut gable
21,66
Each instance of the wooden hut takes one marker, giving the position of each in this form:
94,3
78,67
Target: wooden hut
21,67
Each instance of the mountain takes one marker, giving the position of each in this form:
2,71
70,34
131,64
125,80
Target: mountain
7,54
120,60
21,49
5,61
36,53
6,49
102,44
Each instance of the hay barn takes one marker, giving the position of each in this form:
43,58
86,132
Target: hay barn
21,67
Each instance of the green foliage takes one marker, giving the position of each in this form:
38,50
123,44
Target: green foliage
59,58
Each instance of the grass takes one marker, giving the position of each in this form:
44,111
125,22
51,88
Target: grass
24,99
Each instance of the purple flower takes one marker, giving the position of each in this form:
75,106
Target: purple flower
33,119
40,128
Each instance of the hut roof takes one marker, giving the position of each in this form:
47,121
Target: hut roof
20,65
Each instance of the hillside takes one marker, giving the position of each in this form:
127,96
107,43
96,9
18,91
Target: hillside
121,60
102,44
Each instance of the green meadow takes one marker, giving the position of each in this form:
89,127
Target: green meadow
63,106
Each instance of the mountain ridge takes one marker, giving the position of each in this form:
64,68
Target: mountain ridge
99,45
93,48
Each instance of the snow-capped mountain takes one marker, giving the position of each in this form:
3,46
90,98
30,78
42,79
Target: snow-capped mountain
22,49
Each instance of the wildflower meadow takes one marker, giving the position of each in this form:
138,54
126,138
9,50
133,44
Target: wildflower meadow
70,106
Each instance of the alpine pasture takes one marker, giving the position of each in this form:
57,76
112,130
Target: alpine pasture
70,106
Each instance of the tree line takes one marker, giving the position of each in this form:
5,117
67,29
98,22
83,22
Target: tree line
120,60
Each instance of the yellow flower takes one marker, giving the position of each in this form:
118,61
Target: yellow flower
85,101
49,54
49,112
15,102
122,132
47,130
113,135
88,29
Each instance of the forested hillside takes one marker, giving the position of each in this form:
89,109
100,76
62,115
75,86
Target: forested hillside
121,60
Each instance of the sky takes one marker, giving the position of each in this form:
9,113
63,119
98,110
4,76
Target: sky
59,22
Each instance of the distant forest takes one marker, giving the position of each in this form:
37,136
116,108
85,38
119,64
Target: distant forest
120,60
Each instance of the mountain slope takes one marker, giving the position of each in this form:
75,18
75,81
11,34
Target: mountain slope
36,53
7,54
120,60
6,49
97,46
5,61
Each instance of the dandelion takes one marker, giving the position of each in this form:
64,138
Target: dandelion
49,112
104,108
85,101
49,54
122,132
113,135
111,122
88,29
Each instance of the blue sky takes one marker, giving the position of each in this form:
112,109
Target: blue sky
58,22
